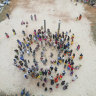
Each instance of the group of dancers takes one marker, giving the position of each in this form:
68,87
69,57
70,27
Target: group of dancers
62,43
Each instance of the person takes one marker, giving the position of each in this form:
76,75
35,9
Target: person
71,42
16,51
23,32
80,17
52,82
25,64
22,22
19,42
55,69
21,63
25,75
65,86
63,82
45,88
51,67
78,47
23,69
28,61
70,31
45,72
26,24
35,17
57,85
63,73
71,72
49,72
28,52
81,56
14,32
7,16
43,84
7,35
45,79
16,57
31,17
74,78
60,77
23,92
38,84
73,56
51,89
27,94
51,55
56,80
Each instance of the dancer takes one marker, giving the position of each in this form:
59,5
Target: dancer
14,32
81,56
31,17
7,35
35,17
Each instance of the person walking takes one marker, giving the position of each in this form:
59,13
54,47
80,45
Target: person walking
7,16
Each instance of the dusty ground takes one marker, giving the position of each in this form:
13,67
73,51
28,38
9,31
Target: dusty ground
8,9
91,15
12,80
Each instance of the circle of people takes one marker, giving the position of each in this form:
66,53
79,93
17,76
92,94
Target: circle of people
60,42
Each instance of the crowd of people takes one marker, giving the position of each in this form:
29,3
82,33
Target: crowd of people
62,43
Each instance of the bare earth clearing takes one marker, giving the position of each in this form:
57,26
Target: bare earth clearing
12,80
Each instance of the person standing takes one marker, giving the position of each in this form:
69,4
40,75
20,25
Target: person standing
7,35
43,85
31,17
78,47
23,32
16,51
81,56
80,17
45,88
51,67
25,75
51,89
55,69
35,17
7,16
74,78
38,84
14,32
